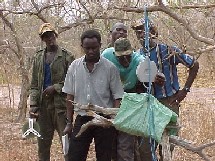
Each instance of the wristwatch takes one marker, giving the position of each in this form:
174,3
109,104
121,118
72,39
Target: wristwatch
187,89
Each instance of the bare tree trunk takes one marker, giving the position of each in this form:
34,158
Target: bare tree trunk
22,107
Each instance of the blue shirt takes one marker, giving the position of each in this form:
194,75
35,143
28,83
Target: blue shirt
166,60
47,76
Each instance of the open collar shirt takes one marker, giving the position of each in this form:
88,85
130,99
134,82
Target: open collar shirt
99,87
167,65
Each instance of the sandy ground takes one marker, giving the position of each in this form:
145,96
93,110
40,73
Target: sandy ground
197,117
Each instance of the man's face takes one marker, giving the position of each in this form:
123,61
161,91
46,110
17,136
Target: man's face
91,48
124,60
49,38
119,31
140,32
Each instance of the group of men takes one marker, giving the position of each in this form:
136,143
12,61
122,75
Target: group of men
100,78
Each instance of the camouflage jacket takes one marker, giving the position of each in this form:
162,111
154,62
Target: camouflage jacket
59,68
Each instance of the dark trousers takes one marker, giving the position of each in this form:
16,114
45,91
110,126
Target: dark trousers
143,151
125,146
49,121
79,146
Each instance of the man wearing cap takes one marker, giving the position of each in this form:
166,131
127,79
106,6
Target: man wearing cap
117,31
166,58
126,60
47,102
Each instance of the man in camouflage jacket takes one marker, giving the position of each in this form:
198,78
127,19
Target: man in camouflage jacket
47,102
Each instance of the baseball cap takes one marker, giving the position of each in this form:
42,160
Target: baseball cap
140,23
137,23
46,27
122,47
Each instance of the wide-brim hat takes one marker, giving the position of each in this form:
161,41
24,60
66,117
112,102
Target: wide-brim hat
47,27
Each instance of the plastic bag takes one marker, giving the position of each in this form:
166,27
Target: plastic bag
143,115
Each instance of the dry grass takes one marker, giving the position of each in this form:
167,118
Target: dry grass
197,117
197,120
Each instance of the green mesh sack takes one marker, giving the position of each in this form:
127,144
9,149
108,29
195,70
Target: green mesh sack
143,115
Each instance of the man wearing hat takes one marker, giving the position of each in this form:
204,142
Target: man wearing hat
126,60
166,58
47,102
118,30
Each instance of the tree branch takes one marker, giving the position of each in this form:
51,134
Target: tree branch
189,146
175,16
18,43
104,122
200,51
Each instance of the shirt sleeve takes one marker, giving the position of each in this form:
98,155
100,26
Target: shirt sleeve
34,90
69,80
183,58
108,53
116,84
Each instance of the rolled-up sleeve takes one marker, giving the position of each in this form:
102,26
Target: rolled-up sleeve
184,59
116,84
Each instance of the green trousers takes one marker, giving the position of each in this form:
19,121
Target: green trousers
50,119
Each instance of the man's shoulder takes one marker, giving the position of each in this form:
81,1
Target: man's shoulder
76,64
107,63
108,51
78,61
65,50
39,52
137,56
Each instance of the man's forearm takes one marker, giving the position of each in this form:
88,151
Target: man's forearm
192,75
117,103
58,86
70,107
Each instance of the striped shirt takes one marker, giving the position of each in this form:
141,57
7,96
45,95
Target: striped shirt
166,59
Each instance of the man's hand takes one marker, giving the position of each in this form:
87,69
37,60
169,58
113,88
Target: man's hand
180,95
49,91
68,129
160,79
34,112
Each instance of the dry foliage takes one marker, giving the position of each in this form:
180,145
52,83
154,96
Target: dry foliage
196,116
187,23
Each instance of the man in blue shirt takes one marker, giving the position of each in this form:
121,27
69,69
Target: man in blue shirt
166,58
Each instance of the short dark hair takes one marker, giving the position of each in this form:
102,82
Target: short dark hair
122,25
91,34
